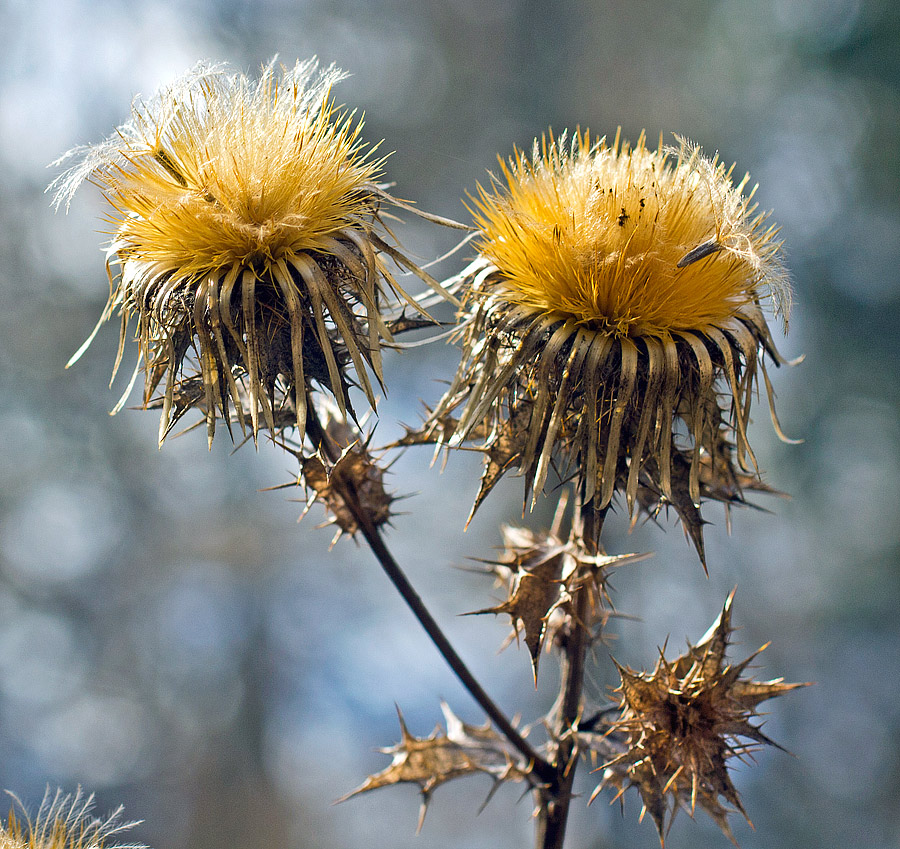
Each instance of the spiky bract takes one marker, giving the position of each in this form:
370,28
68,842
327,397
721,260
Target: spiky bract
542,574
247,240
615,302
680,725
434,760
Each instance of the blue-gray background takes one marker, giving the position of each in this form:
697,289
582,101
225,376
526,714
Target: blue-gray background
172,640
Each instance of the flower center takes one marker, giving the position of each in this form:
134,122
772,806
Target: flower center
623,240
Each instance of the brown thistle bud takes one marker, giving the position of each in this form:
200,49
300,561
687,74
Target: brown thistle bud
345,478
680,725
355,475
431,761
248,241
613,324
64,822
542,573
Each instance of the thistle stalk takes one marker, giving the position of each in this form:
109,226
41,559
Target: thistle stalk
538,766
554,800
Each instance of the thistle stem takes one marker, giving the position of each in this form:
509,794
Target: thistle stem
554,800
539,767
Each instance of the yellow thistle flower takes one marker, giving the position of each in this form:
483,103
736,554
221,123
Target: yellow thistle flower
63,822
615,301
247,239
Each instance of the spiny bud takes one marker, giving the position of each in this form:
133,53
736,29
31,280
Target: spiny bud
680,725
350,485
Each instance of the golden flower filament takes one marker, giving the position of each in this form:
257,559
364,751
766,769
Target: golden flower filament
599,233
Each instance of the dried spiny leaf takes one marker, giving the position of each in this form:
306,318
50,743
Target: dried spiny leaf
536,589
188,393
714,476
431,761
542,572
501,450
721,481
403,323
680,725
436,432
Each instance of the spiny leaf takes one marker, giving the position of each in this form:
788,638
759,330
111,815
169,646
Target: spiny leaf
542,572
536,592
431,761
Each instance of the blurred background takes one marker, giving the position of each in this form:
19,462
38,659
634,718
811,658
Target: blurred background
172,640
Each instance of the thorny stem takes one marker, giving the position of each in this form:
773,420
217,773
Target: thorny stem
540,767
554,800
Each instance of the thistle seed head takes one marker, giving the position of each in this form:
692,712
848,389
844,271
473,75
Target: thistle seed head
613,325
247,239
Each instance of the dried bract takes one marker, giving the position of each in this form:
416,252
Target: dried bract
248,241
613,323
431,761
679,726
542,573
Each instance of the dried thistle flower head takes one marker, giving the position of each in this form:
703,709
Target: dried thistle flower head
614,307
247,239
683,723
64,821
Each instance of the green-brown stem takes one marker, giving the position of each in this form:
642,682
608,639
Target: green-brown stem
543,771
